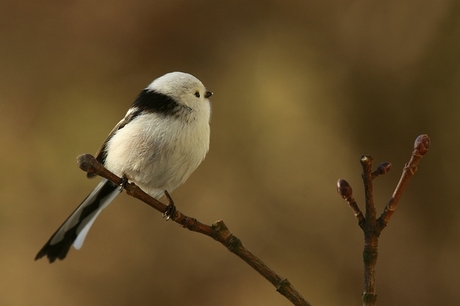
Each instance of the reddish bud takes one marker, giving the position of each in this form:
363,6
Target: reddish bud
422,144
383,168
344,189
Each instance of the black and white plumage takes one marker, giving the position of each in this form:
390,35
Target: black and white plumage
157,145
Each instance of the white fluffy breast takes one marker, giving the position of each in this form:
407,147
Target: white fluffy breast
159,152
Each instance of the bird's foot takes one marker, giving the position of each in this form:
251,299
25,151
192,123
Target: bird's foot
170,208
124,181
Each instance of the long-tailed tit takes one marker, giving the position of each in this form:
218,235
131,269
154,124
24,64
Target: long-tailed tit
157,145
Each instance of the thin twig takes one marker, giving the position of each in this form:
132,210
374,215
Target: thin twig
421,146
218,231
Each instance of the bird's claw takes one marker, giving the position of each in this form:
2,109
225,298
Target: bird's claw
124,181
170,208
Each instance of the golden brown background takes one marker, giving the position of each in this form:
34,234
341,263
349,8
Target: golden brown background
301,90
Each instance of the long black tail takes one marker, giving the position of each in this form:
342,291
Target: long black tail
74,229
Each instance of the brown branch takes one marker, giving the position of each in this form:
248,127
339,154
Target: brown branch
421,146
371,236
218,231
371,226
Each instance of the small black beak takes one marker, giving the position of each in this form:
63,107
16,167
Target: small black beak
207,94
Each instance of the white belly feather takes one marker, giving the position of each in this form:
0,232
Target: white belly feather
160,158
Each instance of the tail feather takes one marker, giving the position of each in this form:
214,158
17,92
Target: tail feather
76,227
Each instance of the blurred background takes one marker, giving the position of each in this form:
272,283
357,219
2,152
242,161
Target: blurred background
301,91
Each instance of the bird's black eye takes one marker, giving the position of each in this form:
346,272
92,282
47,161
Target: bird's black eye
197,94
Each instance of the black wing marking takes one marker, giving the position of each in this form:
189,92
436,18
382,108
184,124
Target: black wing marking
148,101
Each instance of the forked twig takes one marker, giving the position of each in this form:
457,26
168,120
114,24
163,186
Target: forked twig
370,224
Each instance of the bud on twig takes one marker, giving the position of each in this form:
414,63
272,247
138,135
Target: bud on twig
422,144
344,189
382,169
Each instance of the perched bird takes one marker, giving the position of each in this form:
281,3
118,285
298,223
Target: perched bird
157,145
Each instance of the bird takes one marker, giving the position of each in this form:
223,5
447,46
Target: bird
162,139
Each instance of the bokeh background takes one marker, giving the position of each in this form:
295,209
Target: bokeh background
301,91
